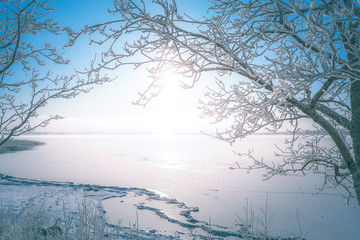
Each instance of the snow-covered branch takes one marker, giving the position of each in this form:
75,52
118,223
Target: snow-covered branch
26,84
294,59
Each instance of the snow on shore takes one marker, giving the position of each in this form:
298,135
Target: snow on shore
57,195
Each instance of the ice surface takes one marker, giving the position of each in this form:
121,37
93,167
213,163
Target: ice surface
194,170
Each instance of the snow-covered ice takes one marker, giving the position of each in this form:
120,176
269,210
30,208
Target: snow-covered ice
176,185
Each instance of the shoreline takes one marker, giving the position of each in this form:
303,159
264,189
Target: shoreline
55,196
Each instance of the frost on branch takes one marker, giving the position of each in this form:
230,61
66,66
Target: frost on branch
294,61
26,84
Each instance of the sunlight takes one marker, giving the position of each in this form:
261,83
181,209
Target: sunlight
168,106
173,111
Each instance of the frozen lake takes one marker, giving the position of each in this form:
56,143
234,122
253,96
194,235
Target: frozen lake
194,169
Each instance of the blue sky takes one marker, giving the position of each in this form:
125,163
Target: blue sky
109,108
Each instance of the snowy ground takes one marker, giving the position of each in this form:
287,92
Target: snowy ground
56,196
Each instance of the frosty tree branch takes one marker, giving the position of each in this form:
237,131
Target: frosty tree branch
295,60
25,83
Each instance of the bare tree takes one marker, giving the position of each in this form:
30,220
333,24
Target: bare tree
295,60
26,84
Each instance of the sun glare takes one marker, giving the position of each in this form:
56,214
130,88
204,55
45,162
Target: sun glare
168,106
173,111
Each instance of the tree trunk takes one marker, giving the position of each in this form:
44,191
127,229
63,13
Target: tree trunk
355,132
350,38
355,123
356,182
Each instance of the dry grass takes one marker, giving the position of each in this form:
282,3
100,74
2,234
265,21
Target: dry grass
32,221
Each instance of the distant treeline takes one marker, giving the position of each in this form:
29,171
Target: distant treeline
19,145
